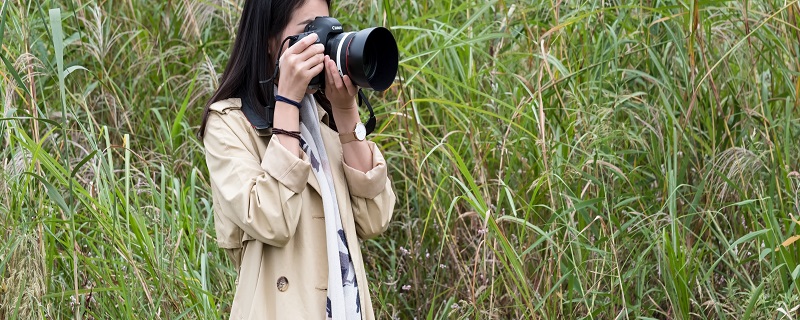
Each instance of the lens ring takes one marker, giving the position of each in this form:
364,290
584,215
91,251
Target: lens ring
340,42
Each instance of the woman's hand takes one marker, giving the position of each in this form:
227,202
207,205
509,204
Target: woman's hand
301,62
340,91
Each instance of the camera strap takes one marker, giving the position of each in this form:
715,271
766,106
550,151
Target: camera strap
370,125
269,86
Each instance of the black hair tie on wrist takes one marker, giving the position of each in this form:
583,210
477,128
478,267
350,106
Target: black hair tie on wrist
287,100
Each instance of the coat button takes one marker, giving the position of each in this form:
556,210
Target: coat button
283,284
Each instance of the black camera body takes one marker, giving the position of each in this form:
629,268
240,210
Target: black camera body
323,27
369,57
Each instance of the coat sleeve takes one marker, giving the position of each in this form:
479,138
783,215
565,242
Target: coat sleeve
260,197
371,195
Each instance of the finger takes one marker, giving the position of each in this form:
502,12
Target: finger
311,51
336,78
315,70
301,45
351,87
334,68
329,72
311,62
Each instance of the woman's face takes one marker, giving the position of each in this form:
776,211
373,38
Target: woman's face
303,16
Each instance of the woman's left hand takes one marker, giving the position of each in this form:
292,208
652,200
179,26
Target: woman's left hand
340,91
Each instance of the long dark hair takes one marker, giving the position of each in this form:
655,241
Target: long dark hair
251,60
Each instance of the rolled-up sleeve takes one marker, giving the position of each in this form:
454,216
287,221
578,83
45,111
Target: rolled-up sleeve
260,197
372,196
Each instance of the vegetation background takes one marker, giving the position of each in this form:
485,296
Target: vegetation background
592,159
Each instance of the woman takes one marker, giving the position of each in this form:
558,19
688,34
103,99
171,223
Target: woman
291,202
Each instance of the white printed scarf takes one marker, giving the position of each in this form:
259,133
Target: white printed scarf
343,298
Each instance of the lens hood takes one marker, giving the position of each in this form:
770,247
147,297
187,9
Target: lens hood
372,58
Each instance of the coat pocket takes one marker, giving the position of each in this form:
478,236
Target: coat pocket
314,203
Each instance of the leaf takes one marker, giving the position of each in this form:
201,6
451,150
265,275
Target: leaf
796,273
73,68
749,237
51,192
80,164
754,296
177,123
48,121
764,253
3,20
58,39
743,239
15,74
789,242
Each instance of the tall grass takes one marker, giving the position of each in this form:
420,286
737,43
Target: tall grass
552,159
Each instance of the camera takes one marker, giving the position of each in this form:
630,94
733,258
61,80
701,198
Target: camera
369,56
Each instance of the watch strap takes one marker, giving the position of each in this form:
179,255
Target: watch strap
346,137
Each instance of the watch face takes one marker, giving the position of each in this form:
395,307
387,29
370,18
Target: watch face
361,131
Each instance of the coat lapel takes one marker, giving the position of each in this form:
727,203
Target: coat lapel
312,180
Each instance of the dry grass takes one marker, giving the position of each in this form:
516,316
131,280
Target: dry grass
23,289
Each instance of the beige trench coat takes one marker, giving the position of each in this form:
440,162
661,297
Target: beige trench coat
268,214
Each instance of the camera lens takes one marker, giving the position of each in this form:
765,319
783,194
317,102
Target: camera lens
370,61
369,57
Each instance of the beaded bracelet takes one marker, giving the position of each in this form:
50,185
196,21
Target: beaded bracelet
287,100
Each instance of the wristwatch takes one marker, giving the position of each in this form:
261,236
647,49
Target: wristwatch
359,133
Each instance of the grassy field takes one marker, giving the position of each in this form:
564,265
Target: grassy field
552,159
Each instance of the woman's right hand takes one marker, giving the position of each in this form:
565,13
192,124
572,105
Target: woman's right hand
298,65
